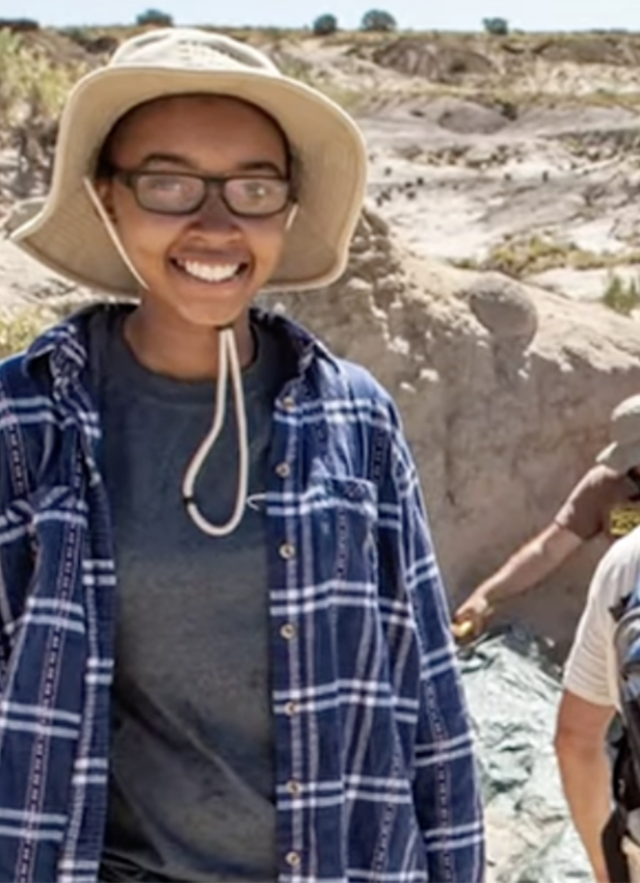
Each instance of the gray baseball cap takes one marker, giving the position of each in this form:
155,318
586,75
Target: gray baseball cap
624,451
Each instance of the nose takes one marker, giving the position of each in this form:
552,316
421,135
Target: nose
214,215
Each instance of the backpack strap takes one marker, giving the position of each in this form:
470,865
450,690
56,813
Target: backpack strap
626,641
611,841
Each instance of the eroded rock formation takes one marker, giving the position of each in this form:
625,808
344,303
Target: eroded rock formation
505,391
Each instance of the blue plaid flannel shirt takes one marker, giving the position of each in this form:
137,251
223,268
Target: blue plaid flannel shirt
376,779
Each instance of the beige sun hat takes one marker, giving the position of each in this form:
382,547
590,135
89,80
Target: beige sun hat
624,451
66,232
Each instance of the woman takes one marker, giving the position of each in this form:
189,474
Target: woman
225,644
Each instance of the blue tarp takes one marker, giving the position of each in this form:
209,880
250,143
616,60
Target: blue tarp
513,692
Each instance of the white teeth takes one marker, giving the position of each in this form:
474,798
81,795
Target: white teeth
208,273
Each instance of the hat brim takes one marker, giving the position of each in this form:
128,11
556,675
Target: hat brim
620,458
68,236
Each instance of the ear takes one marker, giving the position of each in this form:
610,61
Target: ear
104,190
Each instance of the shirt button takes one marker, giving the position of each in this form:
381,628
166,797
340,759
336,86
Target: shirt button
288,403
292,859
283,470
293,788
288,631
290,709
287,551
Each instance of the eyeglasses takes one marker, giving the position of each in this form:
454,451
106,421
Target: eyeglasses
182,193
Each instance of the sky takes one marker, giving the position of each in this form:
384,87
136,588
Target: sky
465,15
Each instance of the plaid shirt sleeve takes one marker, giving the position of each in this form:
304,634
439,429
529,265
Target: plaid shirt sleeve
446,787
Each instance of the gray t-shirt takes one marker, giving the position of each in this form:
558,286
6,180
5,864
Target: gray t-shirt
192,784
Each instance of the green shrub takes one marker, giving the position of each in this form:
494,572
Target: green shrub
498,27
325,24
96,43
378,20
621,296
19,329
79,35
155,17
19,25
31,87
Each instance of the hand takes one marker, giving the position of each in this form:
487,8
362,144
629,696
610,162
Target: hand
470,619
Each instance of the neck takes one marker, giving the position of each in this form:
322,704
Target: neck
179,349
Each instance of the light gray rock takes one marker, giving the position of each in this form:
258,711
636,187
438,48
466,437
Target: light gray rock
505,392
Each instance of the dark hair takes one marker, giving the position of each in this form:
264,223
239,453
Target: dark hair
104,167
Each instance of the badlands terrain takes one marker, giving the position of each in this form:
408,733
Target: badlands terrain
493,282
493,288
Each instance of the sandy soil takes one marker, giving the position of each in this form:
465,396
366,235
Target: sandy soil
457,195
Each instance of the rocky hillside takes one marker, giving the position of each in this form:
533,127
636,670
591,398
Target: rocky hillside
505,391
492,286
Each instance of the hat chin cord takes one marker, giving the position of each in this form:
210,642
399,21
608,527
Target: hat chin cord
228,363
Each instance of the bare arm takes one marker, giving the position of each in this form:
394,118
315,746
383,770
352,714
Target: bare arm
585,772
533,562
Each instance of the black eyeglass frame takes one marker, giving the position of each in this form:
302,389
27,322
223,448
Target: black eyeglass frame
129,177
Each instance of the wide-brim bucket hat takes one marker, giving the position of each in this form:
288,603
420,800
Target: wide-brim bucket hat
66,232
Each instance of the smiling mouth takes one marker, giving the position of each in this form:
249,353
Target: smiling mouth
213,274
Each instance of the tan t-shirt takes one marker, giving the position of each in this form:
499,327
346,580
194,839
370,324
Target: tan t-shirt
591,671
603,502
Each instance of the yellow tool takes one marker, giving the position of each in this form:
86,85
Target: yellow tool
462,630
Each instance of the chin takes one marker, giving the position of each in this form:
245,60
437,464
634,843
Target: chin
213,315
200,305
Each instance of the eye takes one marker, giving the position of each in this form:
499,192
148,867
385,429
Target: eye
167,183
168,191
256,196
257,189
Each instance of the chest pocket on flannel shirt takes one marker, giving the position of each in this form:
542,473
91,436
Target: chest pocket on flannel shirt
346,547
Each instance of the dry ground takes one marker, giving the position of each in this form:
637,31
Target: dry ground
519,153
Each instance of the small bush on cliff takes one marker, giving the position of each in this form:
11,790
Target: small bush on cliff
98,44
498,27
621,296
19,25
31,87
325,24
156,18
19,329
378,20
81,35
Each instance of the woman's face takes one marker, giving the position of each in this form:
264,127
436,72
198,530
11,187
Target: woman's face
204,267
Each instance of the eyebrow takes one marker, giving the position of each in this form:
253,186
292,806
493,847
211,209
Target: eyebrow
256,165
